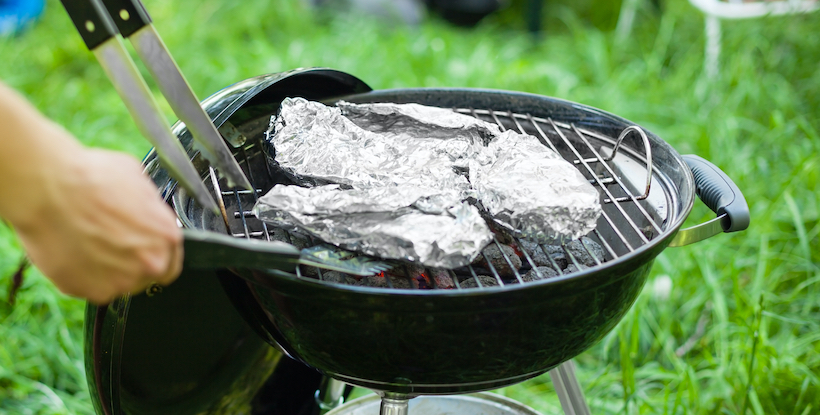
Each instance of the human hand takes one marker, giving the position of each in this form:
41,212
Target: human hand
89,219
98,228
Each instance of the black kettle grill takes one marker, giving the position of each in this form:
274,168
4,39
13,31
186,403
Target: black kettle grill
264,341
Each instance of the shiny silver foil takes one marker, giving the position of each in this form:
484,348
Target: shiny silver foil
398,222
402,174
533,192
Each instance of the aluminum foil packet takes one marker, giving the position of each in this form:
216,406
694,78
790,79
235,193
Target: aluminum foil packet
533,192
402,174
400,222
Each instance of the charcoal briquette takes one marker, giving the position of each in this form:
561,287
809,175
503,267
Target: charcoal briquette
546,272
486,281
540,258
338,278
442,279
377,281
279,234
582,255
300,241
571,268
494,256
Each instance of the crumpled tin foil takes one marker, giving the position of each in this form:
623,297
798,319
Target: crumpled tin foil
398,222
533,192
402,173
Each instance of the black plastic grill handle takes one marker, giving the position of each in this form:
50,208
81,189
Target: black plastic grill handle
719,193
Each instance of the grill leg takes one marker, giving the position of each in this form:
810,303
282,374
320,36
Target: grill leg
394,405
568,390
330,394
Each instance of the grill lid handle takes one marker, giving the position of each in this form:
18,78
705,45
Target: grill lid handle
719,193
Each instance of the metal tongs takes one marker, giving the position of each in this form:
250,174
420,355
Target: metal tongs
103,24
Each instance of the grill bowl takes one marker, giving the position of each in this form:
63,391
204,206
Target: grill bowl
446,341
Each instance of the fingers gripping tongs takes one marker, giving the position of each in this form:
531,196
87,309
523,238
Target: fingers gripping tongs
100,23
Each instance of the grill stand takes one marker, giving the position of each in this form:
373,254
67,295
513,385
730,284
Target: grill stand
563,378
330,394
568,389
394,404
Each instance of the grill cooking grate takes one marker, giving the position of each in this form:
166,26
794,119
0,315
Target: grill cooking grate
625,225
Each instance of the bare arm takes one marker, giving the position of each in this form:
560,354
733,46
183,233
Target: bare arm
89,219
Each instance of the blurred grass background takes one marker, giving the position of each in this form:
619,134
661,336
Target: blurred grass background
730,325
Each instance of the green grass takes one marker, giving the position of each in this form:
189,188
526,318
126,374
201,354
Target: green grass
739,332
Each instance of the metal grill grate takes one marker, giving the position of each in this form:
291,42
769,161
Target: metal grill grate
625,225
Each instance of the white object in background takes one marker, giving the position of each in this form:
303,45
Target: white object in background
662,287
626,19
717,9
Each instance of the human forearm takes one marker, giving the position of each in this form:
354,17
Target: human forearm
32,150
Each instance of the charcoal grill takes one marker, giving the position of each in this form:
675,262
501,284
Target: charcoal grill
405,342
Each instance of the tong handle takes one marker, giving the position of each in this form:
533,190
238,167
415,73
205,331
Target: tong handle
128,15
101,36
204,249
134,23
91,20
